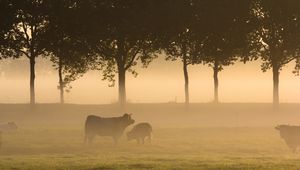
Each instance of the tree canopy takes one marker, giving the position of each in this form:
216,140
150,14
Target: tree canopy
113,36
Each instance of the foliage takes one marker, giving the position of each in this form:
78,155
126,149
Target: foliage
276,27
68,54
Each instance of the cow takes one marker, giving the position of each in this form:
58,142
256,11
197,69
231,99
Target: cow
106,126
291,135
10,126
139,132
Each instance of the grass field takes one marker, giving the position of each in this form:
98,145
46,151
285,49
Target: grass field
184,148
51,137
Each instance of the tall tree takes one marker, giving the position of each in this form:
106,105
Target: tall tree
68,54
178,37
184,47
123,40
227,28
273,40
25,37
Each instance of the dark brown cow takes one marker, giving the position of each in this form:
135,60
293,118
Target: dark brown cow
112,126
291,135
139,132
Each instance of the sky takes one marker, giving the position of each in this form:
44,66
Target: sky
161,82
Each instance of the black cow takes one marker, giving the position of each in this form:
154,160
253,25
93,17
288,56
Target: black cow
112,126
290,134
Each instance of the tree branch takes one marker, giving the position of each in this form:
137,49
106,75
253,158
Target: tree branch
25,32
286,62
129,64
26,54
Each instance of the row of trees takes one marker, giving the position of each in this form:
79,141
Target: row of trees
114,35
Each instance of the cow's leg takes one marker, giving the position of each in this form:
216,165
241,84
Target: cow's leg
89,138
138,140
149,138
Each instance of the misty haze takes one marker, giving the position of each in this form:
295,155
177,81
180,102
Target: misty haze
131,84
155,84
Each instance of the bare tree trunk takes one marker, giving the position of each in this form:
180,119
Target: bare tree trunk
122,88
275,86
32,78
61,82
121,62
186,80
216,82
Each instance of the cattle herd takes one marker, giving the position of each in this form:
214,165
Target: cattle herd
115,126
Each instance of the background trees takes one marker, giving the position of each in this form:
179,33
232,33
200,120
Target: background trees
115,35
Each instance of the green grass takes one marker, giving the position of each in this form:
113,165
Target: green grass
172,148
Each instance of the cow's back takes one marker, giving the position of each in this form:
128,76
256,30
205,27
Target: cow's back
102,126
142,129
290,132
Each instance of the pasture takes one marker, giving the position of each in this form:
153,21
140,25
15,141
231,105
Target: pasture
48,143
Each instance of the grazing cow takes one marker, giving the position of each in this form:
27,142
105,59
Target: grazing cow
291,135
139,132
10,126
112,126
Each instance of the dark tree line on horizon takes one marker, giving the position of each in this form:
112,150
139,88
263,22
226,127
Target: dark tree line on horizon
112,36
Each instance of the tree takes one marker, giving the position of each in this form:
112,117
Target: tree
7,18
25,36
177,35
121,38
184,47
66,51
297,41
273,39
227,27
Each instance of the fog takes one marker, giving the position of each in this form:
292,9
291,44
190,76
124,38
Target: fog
238,132
161,82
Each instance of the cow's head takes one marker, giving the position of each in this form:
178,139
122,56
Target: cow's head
283,130
280,127
277,127
127,120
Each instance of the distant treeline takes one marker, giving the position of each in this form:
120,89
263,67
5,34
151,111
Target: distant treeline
114,35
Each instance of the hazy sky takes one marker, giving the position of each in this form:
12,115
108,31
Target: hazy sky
162,81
